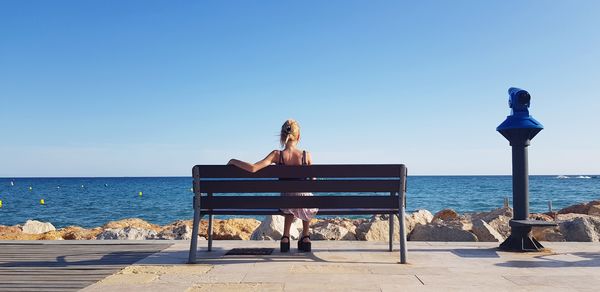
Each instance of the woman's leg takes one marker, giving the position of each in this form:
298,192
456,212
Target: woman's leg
305,226
289,219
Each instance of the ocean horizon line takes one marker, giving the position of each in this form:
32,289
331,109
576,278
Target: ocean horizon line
189,176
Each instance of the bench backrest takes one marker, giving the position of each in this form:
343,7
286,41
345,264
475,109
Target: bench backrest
388,178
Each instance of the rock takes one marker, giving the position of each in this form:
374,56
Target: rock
485,232
239,228
272,228
37,227
10,229
493,215
498,219
180,229
78,233
51,235
500,224
581,228
330,231
461,223
446,214
131,222
419,217
582,208
541,217
127,233
547,234
594,210
10,232
377,229
439,231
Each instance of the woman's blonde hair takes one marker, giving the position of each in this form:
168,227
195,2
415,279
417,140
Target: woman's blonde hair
290,131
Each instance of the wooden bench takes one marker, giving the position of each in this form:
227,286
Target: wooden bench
365,179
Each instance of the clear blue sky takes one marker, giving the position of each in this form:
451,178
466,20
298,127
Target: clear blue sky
145,88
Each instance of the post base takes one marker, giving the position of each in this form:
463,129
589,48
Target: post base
526,243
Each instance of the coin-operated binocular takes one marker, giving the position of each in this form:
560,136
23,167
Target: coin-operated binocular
519,128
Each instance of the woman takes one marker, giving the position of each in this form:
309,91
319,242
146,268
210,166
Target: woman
290,155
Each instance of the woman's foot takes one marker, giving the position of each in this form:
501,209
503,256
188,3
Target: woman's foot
304,244
284,244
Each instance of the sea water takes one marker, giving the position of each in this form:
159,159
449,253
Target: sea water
91,202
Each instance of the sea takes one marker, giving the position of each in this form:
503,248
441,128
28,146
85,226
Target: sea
92,202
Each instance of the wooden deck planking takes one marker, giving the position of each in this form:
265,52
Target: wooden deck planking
65,267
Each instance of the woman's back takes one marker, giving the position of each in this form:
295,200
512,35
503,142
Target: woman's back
292,156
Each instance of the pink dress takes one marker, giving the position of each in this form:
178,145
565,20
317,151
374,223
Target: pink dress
305,214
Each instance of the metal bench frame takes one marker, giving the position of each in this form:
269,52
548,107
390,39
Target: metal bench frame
361,178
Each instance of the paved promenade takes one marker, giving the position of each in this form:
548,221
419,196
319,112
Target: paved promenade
364,266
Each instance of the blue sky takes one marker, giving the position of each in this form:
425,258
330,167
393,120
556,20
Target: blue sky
147,88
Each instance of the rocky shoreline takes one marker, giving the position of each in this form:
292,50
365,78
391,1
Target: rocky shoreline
579,222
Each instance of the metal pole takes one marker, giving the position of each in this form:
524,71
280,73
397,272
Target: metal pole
520,182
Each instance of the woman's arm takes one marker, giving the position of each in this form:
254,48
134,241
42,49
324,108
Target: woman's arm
256,166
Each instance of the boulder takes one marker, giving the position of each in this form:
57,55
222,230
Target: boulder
239,228
446,214
51,235
10,229
439,231
594,210
541,217
180,229
547,234
419,217
377,229
581,228
127,233
494,214
463,223
78,233
500,224
37,227
325,230
582,208
485,232
131,222
272,228
498,219
10,232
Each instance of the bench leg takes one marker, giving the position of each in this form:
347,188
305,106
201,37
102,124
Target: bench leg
210,232
194,241
402,229
391,231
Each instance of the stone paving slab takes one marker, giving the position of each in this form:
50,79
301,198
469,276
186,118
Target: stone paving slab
364,266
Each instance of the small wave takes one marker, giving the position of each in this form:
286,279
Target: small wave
562,176
584,176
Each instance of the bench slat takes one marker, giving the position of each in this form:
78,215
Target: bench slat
315,170
274,202
289,186
278,212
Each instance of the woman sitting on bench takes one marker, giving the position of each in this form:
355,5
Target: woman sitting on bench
290,155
